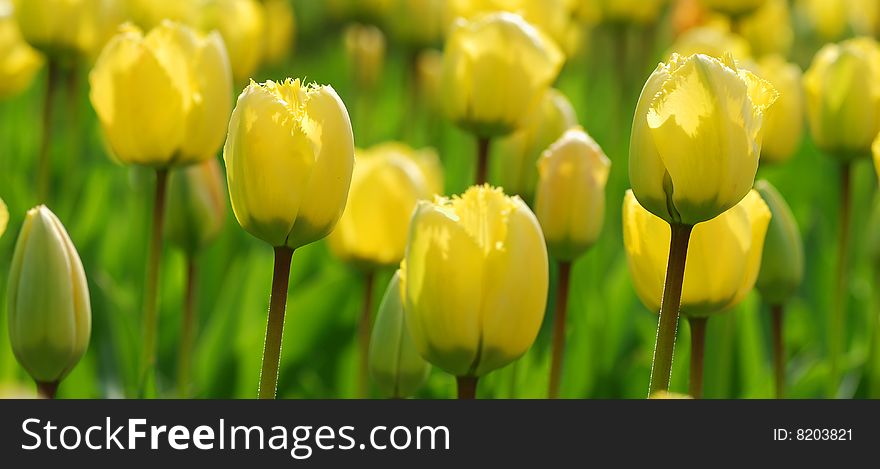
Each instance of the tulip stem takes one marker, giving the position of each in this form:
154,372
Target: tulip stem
467,387
840,298
559,328
698,344
151,288
776,312
275,323
483,145
44,163
187,331
47,390
661,367
364,329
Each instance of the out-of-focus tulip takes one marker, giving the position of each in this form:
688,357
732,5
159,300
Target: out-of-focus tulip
4,217
395,364
864,17
280,30
425,158
50,317
18,61
516,166
570,202
475,280
552,17
365,48
162,99
784,121
429,75
696,137
387,182
629,11
289,157
196,205
148,14
242,24
782,265
712,41
418,23
734,8
827,18
769,29
62,27
479,59
724,255
842,88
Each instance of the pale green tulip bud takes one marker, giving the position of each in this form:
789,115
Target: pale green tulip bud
196,205
782,265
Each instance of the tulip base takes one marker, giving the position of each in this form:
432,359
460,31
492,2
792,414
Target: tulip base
698,344
776,312
275,323
467,387
559,329
151,289
47,390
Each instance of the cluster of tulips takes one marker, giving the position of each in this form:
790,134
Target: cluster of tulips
471,271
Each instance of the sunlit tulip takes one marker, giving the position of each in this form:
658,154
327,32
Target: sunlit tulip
475,278
782,265
784,121
552,17
280,29
395,364
696,137
516,165
724,255
196,205
242,24
480,58
386,184
50,316
734,8
769,30
418,23
365,48
289,156
62,27
163,99
570,201
18,61
842,88
713,41
629,11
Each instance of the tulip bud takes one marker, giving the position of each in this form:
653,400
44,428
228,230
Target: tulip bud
196,205
769,29
723,259
712,41
516,169
782,265
696,137
551,17
734,8
162,99
395,364
386,184
842,88
475,280
784,121
571,194
48,299
280,29
289,156
480,58
365,47
242,24
4,217
62,27
18,61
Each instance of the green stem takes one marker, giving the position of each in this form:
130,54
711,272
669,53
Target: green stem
874,350
559,329
44,163
661,367
275,323
776,312
151,288
840,299
467,387
47,390
698,344
483,145
364,329
187,333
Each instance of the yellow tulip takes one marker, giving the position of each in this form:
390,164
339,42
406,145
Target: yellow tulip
395,364
289,157
696,137
570,202
48,299
784,121
516,168
769,29
842,88
475,280
629,11
148,14
196,205
552,17
418,23
365,48
60,27
723,259
18,61
429,76
734,8
280,29
162,99
387,182
481,59
827,18
242,24
4,217
782,265
713,41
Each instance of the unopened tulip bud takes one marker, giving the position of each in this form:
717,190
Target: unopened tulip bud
365,47
395,364
18,61
242,24
570,202
48,299
784,121
196,205
782,264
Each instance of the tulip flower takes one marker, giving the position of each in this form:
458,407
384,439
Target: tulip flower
782,269
769,30
711,41
552,17
842,88
734,8
516,171
724,258
148,14
829,20
242,23
196,212
162,101
280,30
784,121
395,364
365,48
475,282
289,156
693,155
50,317
18,61
479,58
570,205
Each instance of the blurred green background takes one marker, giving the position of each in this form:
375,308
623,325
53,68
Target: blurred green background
105,207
